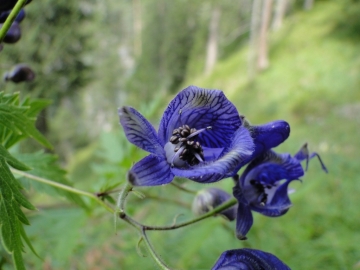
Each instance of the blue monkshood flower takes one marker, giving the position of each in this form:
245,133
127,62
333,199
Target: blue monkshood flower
201,137
209,198
248,259
263,186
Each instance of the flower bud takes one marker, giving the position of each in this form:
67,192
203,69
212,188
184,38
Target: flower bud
20,73
13,34
209,198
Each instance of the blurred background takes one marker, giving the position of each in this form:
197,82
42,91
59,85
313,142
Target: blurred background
297,60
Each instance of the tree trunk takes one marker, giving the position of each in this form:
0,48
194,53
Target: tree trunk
308,4
263,60
213,41
279,14
254,37
137,26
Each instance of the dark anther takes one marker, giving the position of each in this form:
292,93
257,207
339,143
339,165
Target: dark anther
185,133
122,215
185,138
174,139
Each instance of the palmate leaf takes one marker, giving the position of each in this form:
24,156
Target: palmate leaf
17,119
45,165
11,215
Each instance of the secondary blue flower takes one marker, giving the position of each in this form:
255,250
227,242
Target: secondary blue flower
248,259
263,187
201,137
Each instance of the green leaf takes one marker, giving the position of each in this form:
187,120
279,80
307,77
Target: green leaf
45,166
27,240
17,120
11,216
11,160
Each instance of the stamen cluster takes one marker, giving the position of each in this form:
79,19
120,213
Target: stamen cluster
187,148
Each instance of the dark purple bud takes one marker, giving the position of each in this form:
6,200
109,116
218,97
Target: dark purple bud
13,34
5,14
248,259
209,198
20,73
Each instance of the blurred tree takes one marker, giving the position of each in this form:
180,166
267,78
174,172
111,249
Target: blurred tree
167,37
279,13
308,4
213,39
263,60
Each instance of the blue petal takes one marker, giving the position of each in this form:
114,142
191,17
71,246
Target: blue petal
244,220
271,167
151,171
246,259
139,131
240,148
200,108
267,136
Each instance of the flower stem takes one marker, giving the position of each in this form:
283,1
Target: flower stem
155,256
215,211
11,18
64,187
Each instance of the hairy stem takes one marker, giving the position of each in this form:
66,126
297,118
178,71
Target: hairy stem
64,187
11,18
155,256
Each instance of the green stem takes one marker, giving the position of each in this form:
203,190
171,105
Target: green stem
155,256
11,18
122,196
211,213
143,228
63,187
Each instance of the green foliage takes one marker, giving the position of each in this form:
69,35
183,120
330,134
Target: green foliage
17,119
45,166
11,215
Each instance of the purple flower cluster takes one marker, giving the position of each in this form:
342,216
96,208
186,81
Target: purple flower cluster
202,137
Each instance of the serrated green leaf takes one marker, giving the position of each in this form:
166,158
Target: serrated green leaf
27,241
17,121
11,215
45,165
13,162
